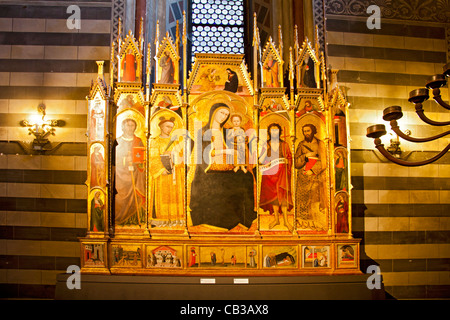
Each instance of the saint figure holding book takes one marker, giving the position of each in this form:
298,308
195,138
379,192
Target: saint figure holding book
311,197
130,176
167,176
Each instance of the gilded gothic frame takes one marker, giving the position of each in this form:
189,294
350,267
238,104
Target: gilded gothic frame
277,207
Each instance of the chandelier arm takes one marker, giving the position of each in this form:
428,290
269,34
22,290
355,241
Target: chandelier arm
396,129
438,98
420,112
441,102
404,163
46,134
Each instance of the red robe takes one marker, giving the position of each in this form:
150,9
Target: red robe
129,68
192,258
276,182
342,217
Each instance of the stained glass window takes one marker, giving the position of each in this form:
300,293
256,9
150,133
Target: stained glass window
218,26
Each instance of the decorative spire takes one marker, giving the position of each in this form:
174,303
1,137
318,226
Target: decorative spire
291,65
148,64
296,54
316,40
119,33
141,35
157,35
177,36
184,28
148,69
256,37
280,41
185,98
112,64
256,59
291,74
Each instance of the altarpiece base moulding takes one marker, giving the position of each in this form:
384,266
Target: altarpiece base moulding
227,175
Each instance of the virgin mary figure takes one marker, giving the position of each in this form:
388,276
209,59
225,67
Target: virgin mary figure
220,197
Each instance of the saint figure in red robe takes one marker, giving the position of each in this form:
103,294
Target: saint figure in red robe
276,160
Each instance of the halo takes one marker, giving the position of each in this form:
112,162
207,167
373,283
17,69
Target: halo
341,150
340,195
271,118
140,123
94,191
277,119
102,149
155,130
203,104
314,120
244,119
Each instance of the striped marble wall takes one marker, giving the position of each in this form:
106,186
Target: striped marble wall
402,214
43,197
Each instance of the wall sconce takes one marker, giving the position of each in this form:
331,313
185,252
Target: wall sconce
41,129
394,113
394,148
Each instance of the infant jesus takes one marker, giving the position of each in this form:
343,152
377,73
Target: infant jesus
237,140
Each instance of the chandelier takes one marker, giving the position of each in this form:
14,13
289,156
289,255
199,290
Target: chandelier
394,113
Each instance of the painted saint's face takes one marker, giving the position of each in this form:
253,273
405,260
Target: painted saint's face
221,115
236,122
274,133
167,127
307,132
128,128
